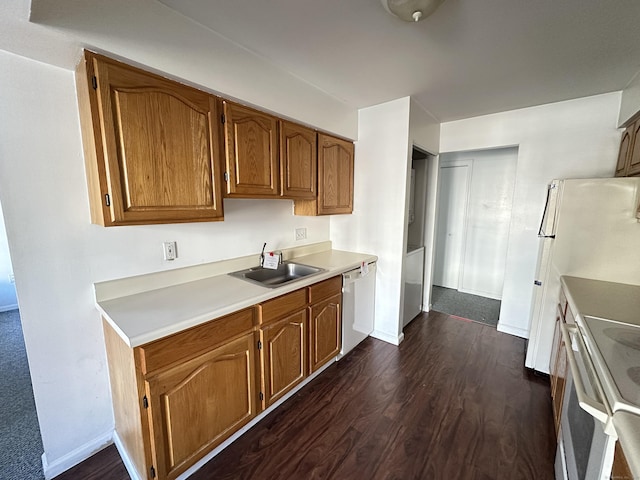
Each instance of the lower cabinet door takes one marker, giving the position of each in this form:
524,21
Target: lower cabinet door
196,405
284,356
560,384
325,331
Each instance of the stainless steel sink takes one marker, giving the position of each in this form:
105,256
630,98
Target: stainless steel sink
286,272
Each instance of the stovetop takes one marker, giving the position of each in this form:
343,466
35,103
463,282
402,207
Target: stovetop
615,351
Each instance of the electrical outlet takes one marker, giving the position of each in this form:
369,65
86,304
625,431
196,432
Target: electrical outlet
170,250
301,233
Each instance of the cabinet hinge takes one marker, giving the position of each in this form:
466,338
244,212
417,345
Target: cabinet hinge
223,119
107,200
152,472
94,82
145,402
259,345
226,176
261,396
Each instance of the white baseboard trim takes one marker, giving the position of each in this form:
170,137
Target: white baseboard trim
76,456
8,308
511,330
385,337
128,464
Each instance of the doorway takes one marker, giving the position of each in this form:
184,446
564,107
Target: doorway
20,441
475,195
414,257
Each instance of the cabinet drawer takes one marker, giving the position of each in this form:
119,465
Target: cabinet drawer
325,289
189,343
278,307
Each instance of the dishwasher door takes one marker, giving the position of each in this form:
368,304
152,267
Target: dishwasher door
358,299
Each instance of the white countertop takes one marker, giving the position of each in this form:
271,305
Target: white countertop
613,301
609,300
147,316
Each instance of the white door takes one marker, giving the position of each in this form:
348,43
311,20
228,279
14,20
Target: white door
453,191
484,256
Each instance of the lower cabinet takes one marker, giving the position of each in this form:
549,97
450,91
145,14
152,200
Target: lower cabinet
325,332
196,405
177,398
558,363
283,348
620,469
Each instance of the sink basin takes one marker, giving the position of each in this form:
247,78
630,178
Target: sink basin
286,273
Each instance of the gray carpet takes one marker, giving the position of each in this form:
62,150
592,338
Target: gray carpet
20,441
465,305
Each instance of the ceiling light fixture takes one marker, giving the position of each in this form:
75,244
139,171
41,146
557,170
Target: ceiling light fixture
411,10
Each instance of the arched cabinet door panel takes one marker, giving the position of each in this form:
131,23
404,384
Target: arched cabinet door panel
298,161
197,404
335,179
325,325
284,355
152,146
252,155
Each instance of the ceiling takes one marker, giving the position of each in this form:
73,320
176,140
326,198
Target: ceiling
471,57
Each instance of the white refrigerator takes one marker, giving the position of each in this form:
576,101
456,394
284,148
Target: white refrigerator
591,229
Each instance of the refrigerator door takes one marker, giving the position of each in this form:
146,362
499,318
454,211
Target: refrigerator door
596,236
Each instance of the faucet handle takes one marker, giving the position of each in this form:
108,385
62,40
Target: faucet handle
262,254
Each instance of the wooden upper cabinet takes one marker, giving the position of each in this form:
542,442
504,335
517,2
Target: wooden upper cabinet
252,155
335,179
152,146
335,173
633,168
623,153
629,154
298,161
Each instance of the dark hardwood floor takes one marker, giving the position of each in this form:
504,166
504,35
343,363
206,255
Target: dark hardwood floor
453,401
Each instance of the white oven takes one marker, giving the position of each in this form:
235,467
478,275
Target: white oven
587,438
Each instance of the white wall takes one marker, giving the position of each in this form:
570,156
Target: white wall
424,129
577,138
378,222
8,300
630,103
149,33
57,254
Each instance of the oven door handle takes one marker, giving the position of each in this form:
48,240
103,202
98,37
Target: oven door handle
592,406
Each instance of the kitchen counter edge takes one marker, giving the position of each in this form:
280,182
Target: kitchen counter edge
144,317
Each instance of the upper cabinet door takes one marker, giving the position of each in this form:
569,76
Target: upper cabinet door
625,147
251,140
298,161
335,175
152,146
633,168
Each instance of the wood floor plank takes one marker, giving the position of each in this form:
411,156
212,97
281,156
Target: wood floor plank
453,401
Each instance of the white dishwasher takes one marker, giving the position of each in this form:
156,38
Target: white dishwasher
358,298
